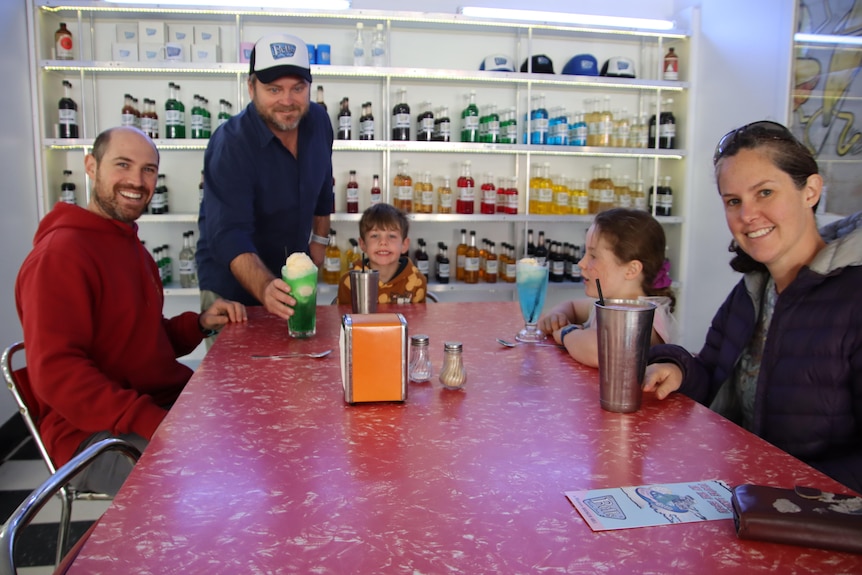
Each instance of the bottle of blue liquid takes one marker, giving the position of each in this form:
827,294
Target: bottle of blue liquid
538,121
578,131
562,123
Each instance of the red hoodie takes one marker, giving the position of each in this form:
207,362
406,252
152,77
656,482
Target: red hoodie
100,355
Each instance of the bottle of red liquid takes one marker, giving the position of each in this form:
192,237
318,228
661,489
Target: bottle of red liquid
466,191
489,195
376,194
502,197
352,194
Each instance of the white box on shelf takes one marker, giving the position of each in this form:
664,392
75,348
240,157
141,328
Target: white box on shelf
127,32
176,52
151,31
151,51
207,34
183,33
206,53
124,51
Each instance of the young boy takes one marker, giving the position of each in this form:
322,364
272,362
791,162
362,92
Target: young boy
383,237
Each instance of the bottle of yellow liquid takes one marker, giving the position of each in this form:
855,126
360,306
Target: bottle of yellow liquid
535,185
622,192
562,195
606,122
332,261
403,188
444,197
594,190
639,201
545,204
580,199
607,194
622,129
591,118
471,261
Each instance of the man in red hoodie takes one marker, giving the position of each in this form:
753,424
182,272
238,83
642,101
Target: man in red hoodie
101,357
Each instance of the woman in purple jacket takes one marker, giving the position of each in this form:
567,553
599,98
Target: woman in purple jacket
783,356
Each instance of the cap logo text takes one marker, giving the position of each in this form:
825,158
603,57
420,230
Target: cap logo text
282,50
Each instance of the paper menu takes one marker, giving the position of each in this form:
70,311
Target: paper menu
648,505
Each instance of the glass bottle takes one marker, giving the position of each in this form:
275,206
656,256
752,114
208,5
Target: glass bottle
167,264
175,114
531,247
63,45
623,193
639,201
157,203
403,184
320,101
366,125
67,189
425,123
488,204
442,125
545,196
401,117
352,194
512,196
359,46
502,195
420,360
607,194
444,197
68,113
508,127
541,253
511,265
426,197
466,190
207,128
471,261
606,123
197,118
492,125
188,268
578,133
592,120
376,194
127,114
461,256
670,70
580,199
378,47
470,120
638,133
622,129
562,200
666,138
538,121
332,261
223,115
453,375
491,264
422,262
345,121
443,266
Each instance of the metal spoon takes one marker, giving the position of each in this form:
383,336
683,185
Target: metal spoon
317,355
514,344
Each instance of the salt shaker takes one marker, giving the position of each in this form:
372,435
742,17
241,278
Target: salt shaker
420,362
453,375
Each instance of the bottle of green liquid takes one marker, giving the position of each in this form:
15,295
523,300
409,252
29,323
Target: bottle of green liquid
197,118
470,120
208,118
175,114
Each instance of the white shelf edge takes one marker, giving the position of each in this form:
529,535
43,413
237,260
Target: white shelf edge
168,218
500,218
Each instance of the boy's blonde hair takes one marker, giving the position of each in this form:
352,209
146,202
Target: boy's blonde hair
383,217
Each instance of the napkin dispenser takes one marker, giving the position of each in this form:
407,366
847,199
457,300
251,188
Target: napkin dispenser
374,357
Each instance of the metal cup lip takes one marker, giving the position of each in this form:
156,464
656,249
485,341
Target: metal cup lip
638,303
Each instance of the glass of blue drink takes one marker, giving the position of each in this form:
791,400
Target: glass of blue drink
532,284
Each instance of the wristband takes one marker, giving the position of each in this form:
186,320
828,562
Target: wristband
322,240
566,331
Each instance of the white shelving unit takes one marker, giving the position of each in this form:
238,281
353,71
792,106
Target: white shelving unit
442,75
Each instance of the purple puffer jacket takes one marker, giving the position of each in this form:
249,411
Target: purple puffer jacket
809,392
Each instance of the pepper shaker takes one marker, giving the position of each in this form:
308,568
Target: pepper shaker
453,375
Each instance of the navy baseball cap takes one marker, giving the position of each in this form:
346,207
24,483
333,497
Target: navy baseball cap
541,65
582,65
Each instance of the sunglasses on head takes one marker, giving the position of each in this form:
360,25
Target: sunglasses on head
763,129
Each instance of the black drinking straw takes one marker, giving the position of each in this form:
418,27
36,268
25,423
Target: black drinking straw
601,297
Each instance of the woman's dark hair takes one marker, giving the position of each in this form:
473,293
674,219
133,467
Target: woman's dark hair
636,235
787,154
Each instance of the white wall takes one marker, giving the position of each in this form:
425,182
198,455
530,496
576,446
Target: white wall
740,73
17,166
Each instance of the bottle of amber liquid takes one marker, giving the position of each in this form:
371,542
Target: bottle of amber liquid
491,264
320,101
376,193
670,70
471,261
461,256
444,197
332,261
403,185
345,120
63,45
127,114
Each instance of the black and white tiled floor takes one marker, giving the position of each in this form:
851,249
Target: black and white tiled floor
21,471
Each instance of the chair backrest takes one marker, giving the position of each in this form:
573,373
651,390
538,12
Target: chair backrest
18,382
22,516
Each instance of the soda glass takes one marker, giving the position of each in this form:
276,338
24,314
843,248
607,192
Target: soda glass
532,284
303,288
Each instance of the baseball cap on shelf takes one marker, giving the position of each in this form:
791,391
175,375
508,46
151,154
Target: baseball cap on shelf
278,55
541,65
497,63
619,68
582,65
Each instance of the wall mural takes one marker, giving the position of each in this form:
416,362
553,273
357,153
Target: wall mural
827,99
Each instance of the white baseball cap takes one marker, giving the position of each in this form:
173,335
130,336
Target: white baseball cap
277,55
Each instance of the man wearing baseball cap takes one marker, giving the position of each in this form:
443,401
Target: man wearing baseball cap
267,183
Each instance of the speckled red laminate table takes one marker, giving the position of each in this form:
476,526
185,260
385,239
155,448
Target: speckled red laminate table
262,468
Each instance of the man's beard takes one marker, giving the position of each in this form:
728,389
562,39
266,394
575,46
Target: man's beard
282,126
108,204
